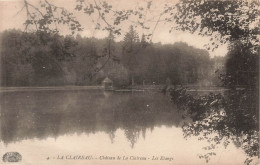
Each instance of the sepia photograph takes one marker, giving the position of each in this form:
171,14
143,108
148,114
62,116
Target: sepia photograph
123,82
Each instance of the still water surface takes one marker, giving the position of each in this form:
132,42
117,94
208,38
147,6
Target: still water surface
57,127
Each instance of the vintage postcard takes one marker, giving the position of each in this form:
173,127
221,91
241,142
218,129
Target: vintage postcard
145,82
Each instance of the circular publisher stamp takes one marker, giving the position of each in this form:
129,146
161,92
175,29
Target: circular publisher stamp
12,157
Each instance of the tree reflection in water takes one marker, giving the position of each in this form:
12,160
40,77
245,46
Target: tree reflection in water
42,114
216,118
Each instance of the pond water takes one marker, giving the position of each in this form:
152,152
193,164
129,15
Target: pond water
95,127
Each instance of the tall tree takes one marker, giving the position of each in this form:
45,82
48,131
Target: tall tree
131,48
231,22
236,24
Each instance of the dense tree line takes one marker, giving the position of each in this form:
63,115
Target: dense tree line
43,59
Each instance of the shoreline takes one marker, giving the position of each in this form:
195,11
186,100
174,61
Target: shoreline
133,88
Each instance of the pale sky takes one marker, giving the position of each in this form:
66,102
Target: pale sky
11,17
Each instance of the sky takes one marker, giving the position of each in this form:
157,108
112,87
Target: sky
12,17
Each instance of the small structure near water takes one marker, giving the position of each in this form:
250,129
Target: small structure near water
107,84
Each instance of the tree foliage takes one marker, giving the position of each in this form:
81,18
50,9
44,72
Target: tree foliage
86,61
226,21
232,117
